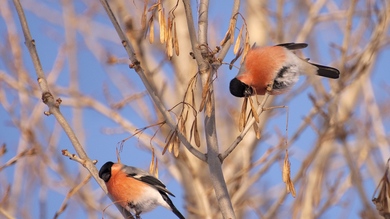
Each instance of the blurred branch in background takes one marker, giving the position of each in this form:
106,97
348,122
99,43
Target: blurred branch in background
179,54
54,105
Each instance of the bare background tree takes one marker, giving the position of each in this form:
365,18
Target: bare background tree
177,89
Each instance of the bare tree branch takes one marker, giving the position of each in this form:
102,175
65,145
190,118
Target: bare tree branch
148,85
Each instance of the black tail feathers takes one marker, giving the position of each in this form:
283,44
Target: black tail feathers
170,203
326,71
177,212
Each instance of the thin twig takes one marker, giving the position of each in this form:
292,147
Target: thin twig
310,21
192,33
6,214
76,158
239,138
233,21
27,152
356,176
347,33
70,194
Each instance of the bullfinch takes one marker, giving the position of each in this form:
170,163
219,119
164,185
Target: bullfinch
276,65
136,190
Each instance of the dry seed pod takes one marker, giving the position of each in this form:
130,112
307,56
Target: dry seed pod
153,7
204,96
225,39
196,134
169,40
242,120
151,31
235,58
3,149
208,105
175,40
168,144
143,18
382,201
171,145
166,26
238,41
192,131
246,49
229,35
231,32
176,146
193,101
161,22
183,123
286,176
202,103
153,167
257,130
253,109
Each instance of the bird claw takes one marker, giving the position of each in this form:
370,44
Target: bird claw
269,87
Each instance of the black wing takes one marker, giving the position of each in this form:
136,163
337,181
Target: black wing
293,46
148,179
153,181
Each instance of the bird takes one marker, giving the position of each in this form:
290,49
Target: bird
277,65
136,190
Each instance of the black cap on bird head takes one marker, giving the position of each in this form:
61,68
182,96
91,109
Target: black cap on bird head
240,89
105,171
